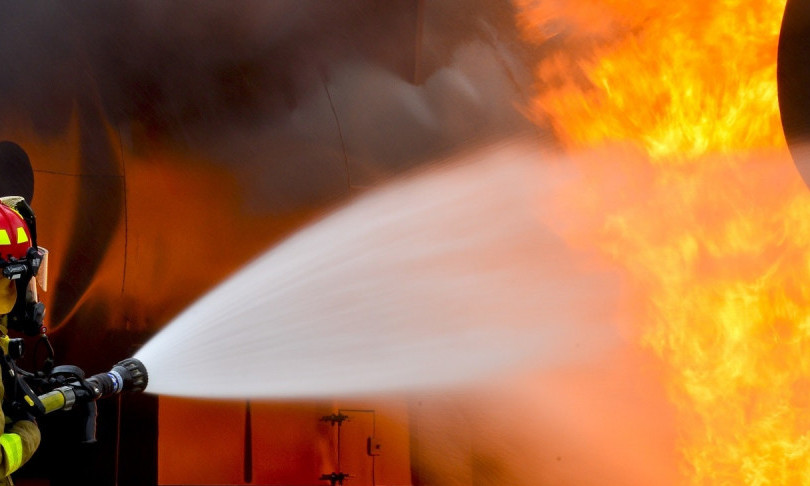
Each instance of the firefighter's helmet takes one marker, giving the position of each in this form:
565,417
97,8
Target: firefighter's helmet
15,238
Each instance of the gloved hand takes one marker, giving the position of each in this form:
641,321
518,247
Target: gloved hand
16,412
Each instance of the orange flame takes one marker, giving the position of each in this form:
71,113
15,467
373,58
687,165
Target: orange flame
706,212
680,78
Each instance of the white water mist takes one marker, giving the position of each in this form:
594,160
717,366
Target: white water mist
442,278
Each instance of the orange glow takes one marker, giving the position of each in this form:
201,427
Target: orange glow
680,78
698,200
164,227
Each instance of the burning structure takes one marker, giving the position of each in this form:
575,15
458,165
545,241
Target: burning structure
137,117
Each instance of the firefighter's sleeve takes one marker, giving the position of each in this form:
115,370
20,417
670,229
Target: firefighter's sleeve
17,443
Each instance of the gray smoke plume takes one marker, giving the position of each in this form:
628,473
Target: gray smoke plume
291,94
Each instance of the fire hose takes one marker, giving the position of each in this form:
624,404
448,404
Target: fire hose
63,387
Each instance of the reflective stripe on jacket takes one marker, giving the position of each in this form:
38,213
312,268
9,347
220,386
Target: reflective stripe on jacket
17,444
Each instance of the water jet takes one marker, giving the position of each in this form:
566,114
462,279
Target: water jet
445,277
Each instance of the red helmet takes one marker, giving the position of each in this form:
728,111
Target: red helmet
15,239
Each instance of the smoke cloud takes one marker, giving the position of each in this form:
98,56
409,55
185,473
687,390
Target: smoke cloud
290,95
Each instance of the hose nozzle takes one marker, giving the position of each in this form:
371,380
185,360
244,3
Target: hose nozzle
127,375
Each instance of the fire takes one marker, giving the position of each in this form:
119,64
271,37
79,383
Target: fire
680,78
699,203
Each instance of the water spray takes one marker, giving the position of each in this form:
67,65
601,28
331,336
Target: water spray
446,277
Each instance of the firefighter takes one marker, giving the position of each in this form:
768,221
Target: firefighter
21,435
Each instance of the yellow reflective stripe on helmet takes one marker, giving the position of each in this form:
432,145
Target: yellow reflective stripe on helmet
4,239
12,452
21,236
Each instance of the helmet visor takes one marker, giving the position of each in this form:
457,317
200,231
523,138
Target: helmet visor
42,273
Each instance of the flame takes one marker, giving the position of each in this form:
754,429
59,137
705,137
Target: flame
698,200
680,78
